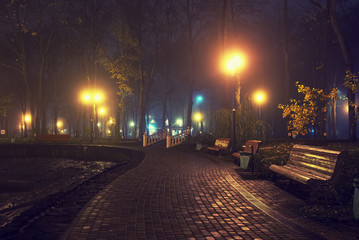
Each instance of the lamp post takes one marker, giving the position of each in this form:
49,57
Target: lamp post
259,97
199,118
59,125
102,112
132,125
93,97
26,120
232,63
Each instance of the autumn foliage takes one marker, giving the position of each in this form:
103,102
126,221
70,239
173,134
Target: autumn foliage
310,112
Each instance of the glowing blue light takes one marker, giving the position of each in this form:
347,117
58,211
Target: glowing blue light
312,130
151,126
199,98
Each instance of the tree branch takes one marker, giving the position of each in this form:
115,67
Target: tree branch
317,4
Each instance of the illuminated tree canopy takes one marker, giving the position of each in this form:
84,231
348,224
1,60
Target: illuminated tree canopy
309,112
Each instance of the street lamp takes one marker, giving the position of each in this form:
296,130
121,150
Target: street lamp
179,122
59,124
132,125
199,118
26,121
259,97
102,111
94,97
232,63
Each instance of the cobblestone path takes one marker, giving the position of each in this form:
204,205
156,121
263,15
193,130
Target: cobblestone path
179,195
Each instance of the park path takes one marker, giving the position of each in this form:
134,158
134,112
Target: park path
185,195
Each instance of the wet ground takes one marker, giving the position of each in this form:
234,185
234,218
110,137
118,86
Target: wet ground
39,197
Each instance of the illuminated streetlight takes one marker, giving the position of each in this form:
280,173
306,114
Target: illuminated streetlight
232,63
93,97
259,97
86,97
132,125
199,118
102,111
98,97
179,122
59,124
26,119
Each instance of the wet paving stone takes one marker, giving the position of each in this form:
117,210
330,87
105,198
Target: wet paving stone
180,196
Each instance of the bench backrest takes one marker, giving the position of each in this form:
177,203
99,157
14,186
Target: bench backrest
314,160
222,143
252,146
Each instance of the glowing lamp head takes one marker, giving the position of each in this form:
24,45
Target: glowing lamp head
260,97
198,117
59,124
86,97
27,118
97,97
179,122
233,62
102,111
92,96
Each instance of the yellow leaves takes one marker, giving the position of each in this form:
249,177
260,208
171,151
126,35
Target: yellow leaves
34,34
308,112
351,80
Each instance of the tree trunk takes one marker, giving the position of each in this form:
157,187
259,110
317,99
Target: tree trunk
164,95
348,67
141,117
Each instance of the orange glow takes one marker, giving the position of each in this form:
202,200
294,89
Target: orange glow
102,111
260,97
233,62
198,116
86,97
98,97
59,124
27,118
92,96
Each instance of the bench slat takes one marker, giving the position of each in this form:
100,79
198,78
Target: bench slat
307,162
221,144
289,173
321,161
305,171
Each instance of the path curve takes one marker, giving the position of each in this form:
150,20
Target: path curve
178,195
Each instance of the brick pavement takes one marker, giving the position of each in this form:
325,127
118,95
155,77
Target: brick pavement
178,195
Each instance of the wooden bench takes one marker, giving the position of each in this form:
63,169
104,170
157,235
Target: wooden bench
310,165
221,145
55,137
244,157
